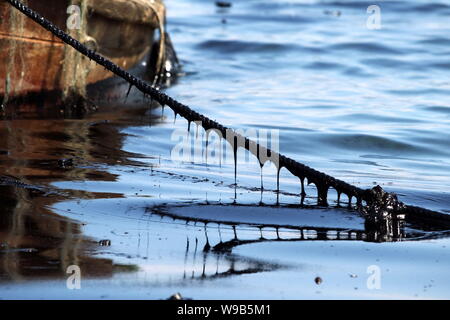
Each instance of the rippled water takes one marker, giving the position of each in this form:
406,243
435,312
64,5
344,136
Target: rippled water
366,106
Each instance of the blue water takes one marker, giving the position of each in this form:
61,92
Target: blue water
363,105
366,106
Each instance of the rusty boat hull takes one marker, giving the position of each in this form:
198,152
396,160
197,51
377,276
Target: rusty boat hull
34,61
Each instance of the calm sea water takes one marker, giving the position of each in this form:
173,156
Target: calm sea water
366,106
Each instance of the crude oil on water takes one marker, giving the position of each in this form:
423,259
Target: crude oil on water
106,193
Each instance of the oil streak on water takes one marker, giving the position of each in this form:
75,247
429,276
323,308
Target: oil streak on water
366,106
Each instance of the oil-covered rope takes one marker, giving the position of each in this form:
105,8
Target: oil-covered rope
379,204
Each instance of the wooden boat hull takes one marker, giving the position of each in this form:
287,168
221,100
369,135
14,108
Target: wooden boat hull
33,60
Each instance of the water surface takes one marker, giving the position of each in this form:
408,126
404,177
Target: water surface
366,106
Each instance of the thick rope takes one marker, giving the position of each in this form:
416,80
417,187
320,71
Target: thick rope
378,202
